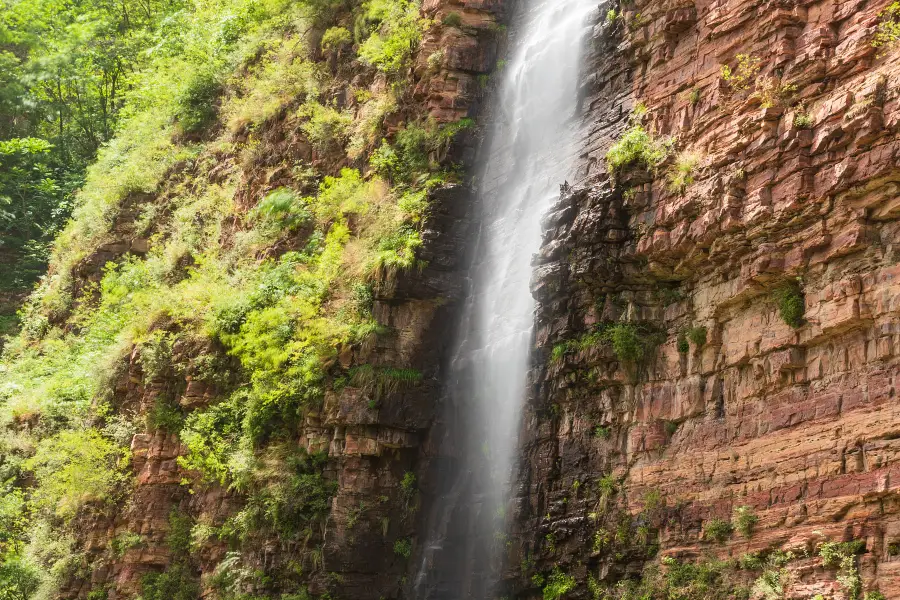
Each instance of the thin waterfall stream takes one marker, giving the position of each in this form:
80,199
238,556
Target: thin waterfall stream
530,155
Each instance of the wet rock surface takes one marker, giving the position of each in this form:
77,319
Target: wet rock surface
796,423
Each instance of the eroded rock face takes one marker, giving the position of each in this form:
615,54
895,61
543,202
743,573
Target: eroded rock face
795,187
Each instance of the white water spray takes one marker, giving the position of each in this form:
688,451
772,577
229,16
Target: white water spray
531,154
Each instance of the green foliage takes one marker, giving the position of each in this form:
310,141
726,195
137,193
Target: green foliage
637,148
802,119
718,529
790,302
602,432
284,208
124,542
558,585
744,520
336,37
744,74
75,467
390,47
833,554
708,579
452,19
403,547
178,537
631,342
697,336
681,174
681,343
178,582
383,381
326,128
195,106
887,34
611,16
19,579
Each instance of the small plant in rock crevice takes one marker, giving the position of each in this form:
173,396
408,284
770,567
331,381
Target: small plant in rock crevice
744,520
558,584
637,147
887,35
791,303
718,529
681,174
743,74
697,336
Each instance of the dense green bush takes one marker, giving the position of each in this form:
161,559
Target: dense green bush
790,302
558,585
390,47
718,529
195,107
75,467
637,147
177,582
744,520
336,37
887,35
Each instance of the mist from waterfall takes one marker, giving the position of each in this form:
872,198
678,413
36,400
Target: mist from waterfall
530,155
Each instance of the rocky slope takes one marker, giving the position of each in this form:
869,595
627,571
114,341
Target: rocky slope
716,423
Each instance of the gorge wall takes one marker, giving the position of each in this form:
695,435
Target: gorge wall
708,431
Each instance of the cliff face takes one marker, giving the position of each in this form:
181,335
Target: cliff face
718,422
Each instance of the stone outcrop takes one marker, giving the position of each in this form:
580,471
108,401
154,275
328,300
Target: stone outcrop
795,188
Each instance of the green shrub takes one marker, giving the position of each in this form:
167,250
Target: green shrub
744,520
602,432
436,61
611,16
336,37
395,252
681,343
637,147
681,174
76,467
283,207
124,542
697,335
165,415
631,342
558,585
403,548
718,529
177,582
452,19
791,303
744,73
196,105
391,46
887,35
19,579
802,120
178,537
326,128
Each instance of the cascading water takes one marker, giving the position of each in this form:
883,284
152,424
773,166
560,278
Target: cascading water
530,156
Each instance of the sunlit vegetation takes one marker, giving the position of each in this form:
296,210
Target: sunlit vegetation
743,74
265,283
887,34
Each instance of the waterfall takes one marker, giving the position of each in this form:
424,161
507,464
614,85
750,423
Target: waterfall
530,155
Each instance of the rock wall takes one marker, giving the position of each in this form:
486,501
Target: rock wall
795,187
